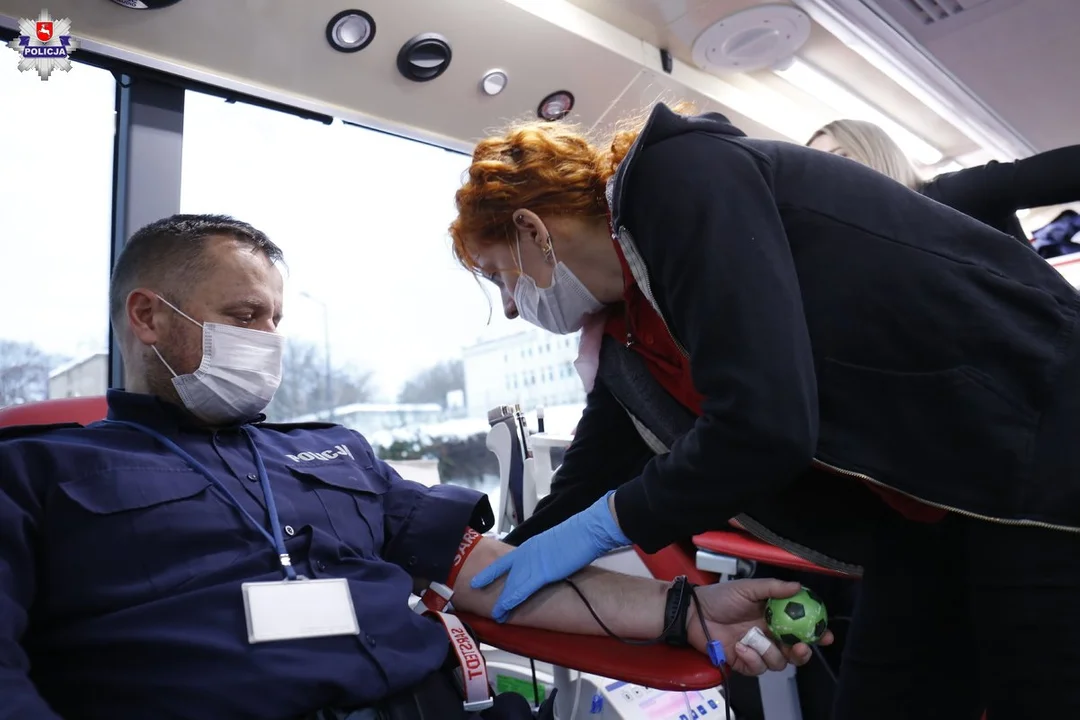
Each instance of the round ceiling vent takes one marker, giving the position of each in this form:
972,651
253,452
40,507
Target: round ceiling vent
424,57
752,39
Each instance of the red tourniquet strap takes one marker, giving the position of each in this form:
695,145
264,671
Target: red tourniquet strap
437,596
435,599
474,675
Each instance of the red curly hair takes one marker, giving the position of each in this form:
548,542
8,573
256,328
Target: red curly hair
551,168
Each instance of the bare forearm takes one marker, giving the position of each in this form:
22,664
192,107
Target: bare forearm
631,607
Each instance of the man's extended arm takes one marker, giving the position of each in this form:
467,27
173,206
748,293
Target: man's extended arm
423,532
633,608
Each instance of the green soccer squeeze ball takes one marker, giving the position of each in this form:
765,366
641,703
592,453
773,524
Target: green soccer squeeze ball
799,618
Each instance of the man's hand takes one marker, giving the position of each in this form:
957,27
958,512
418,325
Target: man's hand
731,609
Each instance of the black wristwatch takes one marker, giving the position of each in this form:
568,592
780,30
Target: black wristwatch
675,612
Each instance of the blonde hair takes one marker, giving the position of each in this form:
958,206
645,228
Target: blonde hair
867,143
551,168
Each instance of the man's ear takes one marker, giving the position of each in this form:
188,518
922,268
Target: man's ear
142,315
530,227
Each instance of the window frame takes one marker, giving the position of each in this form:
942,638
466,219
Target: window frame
148,150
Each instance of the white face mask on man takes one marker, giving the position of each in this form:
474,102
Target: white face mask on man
560,308
238,376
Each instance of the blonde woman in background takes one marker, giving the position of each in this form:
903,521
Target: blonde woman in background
990,193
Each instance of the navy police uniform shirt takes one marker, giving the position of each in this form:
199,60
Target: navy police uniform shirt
120,568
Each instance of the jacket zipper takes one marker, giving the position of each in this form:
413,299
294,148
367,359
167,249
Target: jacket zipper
966,513
755,528
860,476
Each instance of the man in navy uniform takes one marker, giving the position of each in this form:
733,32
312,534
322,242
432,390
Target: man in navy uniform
185,559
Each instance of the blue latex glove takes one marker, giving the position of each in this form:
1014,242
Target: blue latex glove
553,555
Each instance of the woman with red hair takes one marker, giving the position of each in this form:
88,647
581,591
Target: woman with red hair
855,372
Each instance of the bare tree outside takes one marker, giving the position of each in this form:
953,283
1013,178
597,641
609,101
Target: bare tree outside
432,385
24,372
303,385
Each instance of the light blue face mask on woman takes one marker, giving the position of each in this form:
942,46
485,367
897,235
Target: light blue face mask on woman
561,307
238,376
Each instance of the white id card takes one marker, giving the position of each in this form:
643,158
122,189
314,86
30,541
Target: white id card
293,609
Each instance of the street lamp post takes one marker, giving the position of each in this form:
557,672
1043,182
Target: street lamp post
328,394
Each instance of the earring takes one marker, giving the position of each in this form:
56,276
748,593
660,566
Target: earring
547,248
520,218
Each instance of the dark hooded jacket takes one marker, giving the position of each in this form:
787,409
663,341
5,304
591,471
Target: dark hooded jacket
844,331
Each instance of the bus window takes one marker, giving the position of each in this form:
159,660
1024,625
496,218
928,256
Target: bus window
55,237
362,216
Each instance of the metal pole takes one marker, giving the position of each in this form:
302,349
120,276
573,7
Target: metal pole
147,155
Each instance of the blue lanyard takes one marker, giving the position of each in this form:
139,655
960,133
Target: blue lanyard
277,540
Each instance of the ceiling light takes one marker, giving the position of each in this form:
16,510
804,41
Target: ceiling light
817,84
866,31
976,158
951,166
493,82
556,106
424,57
350,31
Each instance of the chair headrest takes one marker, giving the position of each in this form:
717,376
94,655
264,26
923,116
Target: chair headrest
82,410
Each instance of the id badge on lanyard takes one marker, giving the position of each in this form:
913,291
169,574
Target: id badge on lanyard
287,609
294,609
